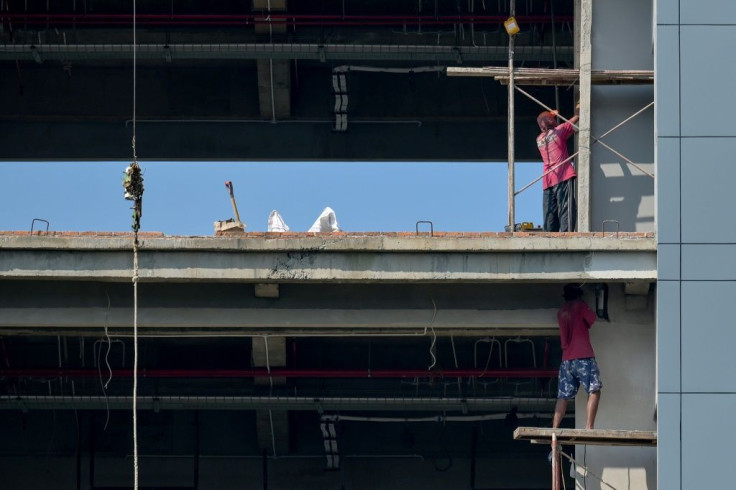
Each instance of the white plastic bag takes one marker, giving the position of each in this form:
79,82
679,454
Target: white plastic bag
326,223
276,222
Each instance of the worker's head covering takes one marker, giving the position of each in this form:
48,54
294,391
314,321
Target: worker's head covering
572,291
546,121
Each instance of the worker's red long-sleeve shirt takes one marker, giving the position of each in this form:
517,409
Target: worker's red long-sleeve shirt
575,319
552,145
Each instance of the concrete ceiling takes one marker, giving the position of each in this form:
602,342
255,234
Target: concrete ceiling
235,81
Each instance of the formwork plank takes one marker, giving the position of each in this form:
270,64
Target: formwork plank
597,437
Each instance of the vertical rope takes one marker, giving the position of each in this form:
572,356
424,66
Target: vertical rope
135,270
135,157
135,362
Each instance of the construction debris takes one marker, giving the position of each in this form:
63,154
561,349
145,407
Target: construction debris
229,225
229,187
133,185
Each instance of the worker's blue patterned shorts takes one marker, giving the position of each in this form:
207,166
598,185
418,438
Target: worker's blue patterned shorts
577,371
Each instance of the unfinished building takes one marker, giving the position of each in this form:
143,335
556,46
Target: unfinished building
369,360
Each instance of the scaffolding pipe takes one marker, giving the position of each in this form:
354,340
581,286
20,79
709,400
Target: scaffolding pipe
554,52
308,403
235,20
511,170
556,471
284,372
595,140
300,51
599,138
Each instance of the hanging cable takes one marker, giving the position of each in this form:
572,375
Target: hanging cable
107,362
433,343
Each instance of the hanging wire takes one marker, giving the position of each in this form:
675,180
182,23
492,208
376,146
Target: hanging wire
107,363
433,343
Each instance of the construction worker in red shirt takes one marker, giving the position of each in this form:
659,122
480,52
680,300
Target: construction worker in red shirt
578,358
558,204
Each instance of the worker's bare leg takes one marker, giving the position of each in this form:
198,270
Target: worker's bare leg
593,400
560,410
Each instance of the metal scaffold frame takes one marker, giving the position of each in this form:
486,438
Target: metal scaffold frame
555,77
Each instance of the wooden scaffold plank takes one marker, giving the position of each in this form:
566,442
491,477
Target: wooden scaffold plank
552,77
596,437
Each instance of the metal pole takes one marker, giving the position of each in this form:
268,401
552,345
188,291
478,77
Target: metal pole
556,473
473,456
554,52
92,451
265,469
196,450
511,172
79,452
597,139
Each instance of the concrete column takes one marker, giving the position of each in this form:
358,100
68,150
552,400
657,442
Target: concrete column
584,14
272,426
274,88
274,76
269,352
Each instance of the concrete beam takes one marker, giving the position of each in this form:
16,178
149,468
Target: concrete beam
39,307
327,258
298,51
275,322
255,321
269,4
42,402
447,138
368,242
301,267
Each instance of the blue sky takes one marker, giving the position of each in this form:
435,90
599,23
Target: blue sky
185,198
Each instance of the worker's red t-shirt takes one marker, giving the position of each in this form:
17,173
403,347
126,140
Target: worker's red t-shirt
552,145
575,319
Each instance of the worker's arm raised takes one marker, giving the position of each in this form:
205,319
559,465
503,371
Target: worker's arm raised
574,119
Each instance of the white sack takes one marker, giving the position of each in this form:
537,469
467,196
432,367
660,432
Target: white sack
326,223
276,222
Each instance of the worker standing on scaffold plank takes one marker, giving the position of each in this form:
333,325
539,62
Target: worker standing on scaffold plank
578,358
558,205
